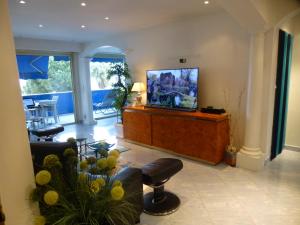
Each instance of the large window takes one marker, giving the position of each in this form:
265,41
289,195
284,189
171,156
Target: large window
99,71
99,67
46,80
58,79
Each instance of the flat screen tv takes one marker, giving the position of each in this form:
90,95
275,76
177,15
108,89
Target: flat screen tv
174,88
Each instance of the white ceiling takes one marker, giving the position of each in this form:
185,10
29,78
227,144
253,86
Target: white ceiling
62,19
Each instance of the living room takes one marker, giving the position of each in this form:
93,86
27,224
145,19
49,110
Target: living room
234,44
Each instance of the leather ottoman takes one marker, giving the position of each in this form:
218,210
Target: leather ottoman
156,174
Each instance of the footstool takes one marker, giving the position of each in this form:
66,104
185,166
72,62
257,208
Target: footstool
47,133
156,174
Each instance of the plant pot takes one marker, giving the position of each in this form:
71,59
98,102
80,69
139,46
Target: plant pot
230,158
119,130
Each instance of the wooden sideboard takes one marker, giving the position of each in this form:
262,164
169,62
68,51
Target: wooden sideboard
193,134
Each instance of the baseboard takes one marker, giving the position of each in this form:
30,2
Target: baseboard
292,148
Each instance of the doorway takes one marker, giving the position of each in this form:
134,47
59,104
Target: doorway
103,96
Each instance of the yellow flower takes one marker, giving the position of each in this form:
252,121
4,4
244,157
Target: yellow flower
51,197
91,160
43,177
101,181
111,162
115,153
102,163
83,165
51,161
95,186
117,193
71,140
117,183
39,220
82,177
69,152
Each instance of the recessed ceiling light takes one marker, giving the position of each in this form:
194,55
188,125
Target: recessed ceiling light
106,18
41,25
206,2
22,2
83,26
83,4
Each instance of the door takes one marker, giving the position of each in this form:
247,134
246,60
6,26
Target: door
285,45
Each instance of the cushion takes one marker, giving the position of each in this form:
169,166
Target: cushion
48,131
160,170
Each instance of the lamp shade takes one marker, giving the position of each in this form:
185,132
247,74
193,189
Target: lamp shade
138,87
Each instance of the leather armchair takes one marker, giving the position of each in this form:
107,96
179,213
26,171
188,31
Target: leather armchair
39,150
131,179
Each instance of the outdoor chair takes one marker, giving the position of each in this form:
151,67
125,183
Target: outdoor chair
106,106
33,118
49,108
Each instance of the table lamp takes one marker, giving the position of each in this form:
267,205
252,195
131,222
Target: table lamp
138,87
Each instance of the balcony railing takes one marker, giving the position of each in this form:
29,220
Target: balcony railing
65,101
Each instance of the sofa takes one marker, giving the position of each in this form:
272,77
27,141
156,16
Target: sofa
41,149
131,178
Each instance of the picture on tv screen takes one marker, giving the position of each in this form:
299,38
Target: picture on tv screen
176,88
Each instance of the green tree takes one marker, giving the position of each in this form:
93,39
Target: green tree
59,79
121,86
99,72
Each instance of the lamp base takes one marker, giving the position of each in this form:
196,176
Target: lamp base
138,100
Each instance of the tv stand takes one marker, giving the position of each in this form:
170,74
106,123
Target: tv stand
195,135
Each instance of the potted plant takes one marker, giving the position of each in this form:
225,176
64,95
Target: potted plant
122,89
234,122
230,153
86,195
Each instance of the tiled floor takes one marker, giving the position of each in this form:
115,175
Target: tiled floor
222,195
103,130
218,195
69,118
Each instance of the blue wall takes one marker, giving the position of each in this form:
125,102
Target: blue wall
99,95
65,101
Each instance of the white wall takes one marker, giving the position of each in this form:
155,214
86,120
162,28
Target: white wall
214,43
16,172
274,11
46,45
293,118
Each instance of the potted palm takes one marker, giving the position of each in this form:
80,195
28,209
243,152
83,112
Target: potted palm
122,88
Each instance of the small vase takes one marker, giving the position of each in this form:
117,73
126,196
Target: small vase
230,158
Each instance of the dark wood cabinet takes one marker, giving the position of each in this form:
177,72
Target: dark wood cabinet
194,134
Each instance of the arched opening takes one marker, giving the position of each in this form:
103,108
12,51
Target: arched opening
102,59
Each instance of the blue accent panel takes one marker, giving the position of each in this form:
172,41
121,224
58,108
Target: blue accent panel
61,58
33,66
108,60
99,95
65,100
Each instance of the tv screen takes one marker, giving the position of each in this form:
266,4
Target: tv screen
175,88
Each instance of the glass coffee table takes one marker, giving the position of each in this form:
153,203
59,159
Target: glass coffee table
85,148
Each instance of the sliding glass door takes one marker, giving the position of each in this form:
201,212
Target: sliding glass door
46,85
